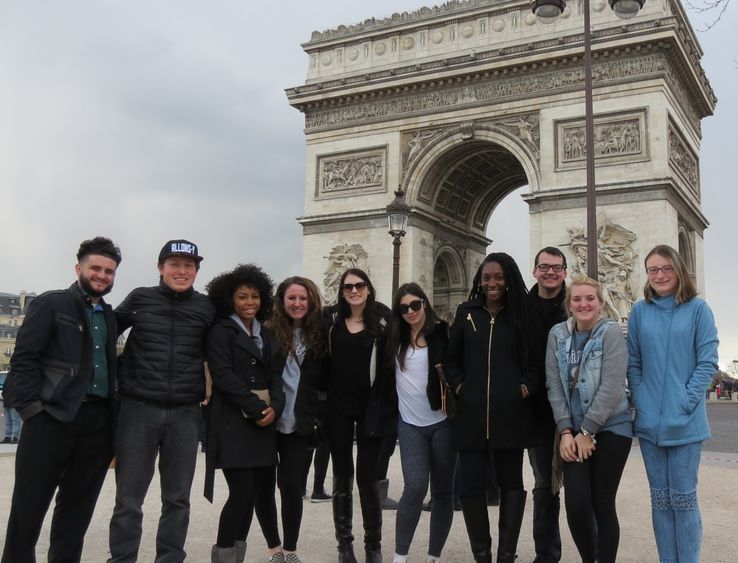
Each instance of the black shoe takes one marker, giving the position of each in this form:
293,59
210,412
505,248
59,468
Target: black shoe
342,516
320,496
7,440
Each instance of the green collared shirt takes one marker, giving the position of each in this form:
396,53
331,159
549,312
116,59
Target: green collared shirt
99,331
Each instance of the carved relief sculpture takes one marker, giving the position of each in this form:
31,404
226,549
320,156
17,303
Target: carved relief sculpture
341,258
615,263
350,172
683,160
526,128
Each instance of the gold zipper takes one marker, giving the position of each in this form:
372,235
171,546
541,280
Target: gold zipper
489,367
469,318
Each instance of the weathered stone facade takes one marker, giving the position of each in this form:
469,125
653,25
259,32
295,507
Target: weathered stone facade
462,103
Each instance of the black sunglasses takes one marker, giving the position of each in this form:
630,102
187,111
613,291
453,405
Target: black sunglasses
405,308
349,287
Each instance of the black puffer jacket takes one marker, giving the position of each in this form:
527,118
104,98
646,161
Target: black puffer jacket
164,354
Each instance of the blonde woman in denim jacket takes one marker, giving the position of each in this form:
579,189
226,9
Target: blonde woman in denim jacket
672,348
586,363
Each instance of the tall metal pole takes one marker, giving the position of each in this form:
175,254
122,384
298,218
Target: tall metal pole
395,265
592,264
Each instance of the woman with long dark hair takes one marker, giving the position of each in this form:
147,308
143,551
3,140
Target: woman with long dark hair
247,399
354,387
416,347
493,370
586,361
297,326
672,349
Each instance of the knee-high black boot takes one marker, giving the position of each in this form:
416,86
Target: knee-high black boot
512,508
342,515
477,527
371,512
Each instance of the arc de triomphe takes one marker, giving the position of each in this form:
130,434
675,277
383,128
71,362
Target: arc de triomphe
462,103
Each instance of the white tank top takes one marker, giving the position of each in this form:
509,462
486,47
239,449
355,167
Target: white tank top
411,389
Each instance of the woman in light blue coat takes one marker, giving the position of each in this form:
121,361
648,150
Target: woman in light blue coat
672,357
586,362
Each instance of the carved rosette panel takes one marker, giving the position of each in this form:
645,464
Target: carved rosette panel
683,160
346,174
616,261
618,138
342,257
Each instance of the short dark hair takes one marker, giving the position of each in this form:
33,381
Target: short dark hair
222,288
553,251
99,245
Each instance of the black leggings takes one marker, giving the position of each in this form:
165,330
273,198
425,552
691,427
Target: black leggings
591,487
291,449
238,511
340,430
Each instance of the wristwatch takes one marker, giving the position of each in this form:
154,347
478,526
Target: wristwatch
590,436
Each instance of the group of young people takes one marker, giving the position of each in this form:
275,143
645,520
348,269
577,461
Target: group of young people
538,369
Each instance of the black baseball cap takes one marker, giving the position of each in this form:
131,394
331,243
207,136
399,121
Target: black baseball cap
180,247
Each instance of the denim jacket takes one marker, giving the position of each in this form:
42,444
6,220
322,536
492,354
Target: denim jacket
601,381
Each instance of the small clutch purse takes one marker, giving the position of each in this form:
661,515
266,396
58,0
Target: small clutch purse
263,394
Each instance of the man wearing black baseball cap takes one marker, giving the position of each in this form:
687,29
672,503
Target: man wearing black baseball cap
161,383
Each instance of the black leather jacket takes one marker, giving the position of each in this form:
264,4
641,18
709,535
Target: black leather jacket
165,352
51,369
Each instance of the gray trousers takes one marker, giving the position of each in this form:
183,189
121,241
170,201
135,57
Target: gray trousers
426,453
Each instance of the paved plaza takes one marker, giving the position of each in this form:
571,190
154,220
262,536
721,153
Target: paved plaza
718,496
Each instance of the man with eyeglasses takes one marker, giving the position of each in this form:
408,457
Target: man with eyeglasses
546,299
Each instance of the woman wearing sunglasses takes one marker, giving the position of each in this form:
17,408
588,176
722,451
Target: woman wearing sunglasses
355,386
672,357
416,348
493,370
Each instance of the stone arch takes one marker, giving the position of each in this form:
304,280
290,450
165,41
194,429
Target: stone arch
685,248
449,281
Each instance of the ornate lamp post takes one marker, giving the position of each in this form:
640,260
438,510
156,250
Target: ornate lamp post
397,213
547,11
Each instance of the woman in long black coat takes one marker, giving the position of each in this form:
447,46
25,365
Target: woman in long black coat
490,368
247,398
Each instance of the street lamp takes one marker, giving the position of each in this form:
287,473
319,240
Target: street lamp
397,212
547,11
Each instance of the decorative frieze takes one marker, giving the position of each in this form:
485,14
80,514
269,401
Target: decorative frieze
618,138
683,160
351,173
502,88
342,257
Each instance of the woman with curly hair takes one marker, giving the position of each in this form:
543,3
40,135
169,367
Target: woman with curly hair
246,367
493,371
297,326
354,387
416,347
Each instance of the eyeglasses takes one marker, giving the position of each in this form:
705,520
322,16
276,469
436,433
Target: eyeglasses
358,286
546,267
405,308
652,271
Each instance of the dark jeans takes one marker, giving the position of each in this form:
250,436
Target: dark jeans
546,505
340,430
426,453
71,456
147,429
291,449
591,486
238,511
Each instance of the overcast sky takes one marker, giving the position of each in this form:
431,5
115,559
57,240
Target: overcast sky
145,121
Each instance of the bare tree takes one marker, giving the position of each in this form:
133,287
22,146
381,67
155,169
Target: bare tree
714,8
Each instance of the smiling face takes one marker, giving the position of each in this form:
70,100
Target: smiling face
585,305
493,285
663,283
549,282
96,274
246,304
296,303
416,319
355,296
178,273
